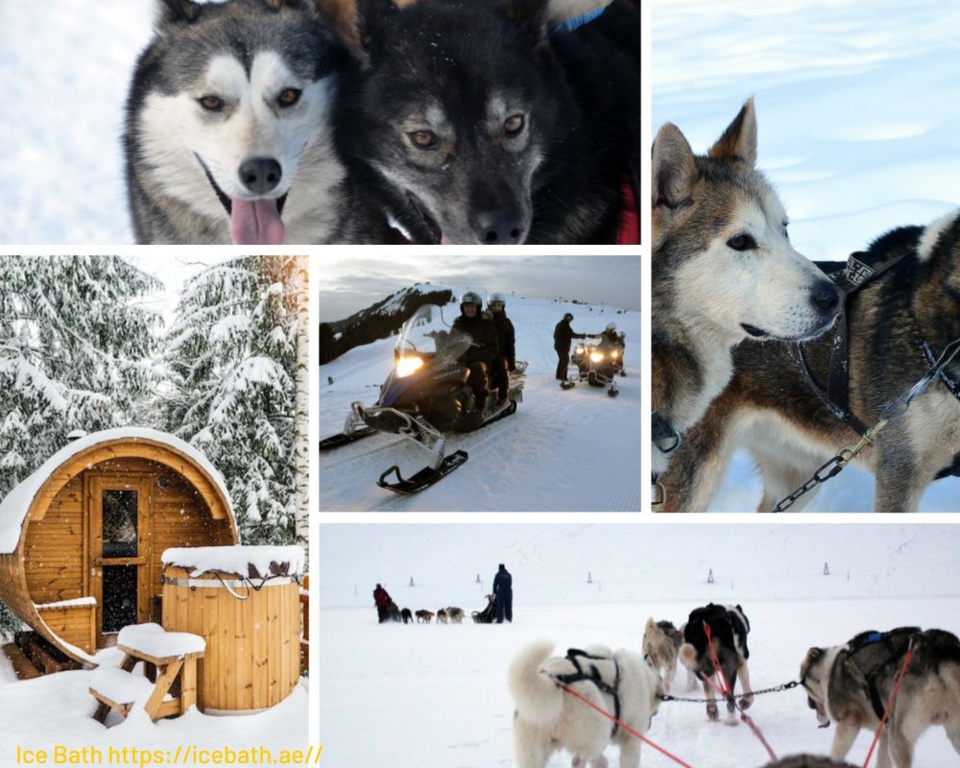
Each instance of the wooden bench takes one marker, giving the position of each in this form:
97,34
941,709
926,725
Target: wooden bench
167,688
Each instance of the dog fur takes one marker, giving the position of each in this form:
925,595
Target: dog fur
228,127
838,681
424,616
769,410
480,122
661,644
548,720
723,269
729,628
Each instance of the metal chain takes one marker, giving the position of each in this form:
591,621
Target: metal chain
895,410
774,689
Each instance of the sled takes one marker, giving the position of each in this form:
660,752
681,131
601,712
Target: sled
489,614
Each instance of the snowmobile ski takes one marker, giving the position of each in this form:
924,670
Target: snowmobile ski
335,441
407,486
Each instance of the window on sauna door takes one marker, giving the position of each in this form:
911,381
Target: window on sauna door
119,597
119,523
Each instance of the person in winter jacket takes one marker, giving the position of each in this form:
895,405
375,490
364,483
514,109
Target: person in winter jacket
503,590
383,601
482,352
563,334
506,359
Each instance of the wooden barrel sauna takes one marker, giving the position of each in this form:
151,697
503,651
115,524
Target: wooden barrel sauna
245,602
81,537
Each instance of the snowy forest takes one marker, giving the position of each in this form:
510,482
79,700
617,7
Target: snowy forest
81,348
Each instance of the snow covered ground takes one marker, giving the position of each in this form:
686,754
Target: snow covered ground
436,696
575,450
56,712
858,130
64,78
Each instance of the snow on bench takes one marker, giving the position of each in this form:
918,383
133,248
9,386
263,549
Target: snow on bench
153,641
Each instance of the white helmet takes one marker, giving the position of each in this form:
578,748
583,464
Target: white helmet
496,298
611,326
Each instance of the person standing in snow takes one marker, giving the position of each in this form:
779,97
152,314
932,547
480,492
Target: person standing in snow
506,359
503,590
382,601
563,334
483,350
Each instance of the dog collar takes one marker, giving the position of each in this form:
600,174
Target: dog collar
571,25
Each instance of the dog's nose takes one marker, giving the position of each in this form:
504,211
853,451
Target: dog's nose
260,174
827,296
498,228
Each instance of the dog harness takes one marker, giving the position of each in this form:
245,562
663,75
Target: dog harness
593,676
900,639
859,270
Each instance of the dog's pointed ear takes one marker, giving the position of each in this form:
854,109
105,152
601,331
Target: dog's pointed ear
171,12
673,171
342,16
739,141
372,18
529,17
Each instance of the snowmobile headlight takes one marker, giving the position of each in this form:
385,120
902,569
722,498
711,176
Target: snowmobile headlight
578,350
408,364
615,354
596,357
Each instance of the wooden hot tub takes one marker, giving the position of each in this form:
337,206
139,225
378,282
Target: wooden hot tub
245,603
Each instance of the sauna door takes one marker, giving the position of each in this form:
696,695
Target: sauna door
119,516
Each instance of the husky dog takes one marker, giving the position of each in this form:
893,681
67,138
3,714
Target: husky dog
899,322
481,121
424,616
723,271
227,128
548,719
808,761
442,617
851,684
406,615
661,643
455,614
728,627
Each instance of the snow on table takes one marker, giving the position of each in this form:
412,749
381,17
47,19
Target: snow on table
154,641
121,687
255,562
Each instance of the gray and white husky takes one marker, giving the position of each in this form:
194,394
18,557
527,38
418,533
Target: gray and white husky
227,128
723,270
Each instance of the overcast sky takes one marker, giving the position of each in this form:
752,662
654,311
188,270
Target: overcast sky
349,284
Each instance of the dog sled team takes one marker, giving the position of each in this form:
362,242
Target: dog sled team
591,697
804,366
375,121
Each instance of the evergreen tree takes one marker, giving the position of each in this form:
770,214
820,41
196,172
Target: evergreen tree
232,352
76,349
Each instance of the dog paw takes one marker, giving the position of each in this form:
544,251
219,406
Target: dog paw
746,702
713,712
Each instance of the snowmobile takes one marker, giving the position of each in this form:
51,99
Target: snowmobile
598,363
425,395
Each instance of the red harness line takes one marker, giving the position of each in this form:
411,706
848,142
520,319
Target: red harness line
726,690
626,727
886,712
628,230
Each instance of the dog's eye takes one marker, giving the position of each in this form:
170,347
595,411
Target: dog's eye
742,242
514,125
288,97
423,139
785,233
211,103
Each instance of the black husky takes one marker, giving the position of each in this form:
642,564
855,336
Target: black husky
481,121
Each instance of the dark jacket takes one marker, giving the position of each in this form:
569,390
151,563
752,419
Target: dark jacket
484,335
506,338
380,597
503,583
562,336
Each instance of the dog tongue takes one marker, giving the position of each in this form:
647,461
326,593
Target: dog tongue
445,239
255,222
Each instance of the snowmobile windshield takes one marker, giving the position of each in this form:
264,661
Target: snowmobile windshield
428,333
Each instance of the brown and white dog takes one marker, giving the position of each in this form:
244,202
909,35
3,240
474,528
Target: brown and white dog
723,271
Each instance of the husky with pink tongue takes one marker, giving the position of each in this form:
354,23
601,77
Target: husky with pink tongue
228,136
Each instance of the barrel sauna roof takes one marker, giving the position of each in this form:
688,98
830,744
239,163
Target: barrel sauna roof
16,505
